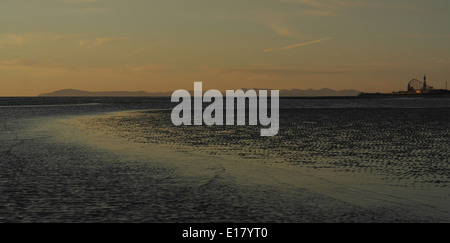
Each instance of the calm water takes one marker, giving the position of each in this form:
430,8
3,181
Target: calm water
47,176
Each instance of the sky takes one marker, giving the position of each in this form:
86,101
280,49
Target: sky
165,45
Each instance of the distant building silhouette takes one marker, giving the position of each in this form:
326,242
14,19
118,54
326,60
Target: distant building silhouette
415,88
424,83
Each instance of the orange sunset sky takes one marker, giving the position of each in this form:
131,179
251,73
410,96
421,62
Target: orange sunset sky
164,45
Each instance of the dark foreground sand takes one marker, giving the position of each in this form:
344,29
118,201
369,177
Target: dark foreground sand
54,169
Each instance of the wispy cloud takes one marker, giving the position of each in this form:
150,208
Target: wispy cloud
109,40
283,29
284,23
334,6
277,72
34,67
92,10
22,39
87,4
46,68
78,1
321,12
102,41
318,3
294,45
27,63
132,70
426,36
30,38
147,47
323,8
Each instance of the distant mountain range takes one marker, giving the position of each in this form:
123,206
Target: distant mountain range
81,93
318,93
283,93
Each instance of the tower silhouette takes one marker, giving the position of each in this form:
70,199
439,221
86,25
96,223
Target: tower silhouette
424,82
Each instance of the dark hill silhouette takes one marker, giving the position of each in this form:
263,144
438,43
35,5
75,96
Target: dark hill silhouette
81,93
318,93
283,93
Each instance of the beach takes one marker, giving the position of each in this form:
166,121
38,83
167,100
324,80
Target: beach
123,161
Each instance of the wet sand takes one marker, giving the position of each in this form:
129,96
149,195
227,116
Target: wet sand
58,169
94,164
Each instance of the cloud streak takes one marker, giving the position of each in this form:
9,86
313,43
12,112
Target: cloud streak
103,41
109,40
92,10
283,30
147,47
426,36
295,45
35,67
336,5
79,1
22,39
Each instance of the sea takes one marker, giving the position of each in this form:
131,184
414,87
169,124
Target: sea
119,159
